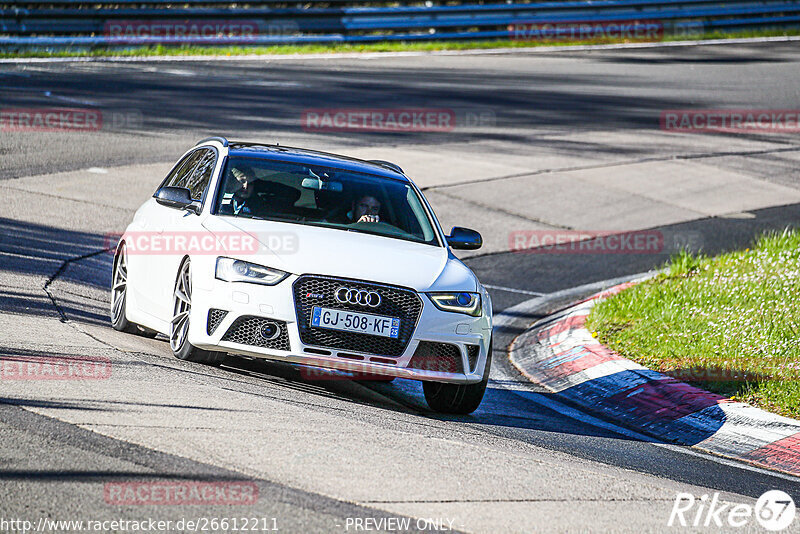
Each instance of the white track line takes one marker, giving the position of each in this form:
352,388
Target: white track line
514,290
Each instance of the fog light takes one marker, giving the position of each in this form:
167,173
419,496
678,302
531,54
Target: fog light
270,330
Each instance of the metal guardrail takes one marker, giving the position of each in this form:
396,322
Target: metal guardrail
85,23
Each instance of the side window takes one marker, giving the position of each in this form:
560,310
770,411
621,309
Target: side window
182,172
170,179
198,181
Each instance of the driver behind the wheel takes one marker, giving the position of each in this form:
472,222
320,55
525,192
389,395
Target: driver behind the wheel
365,209
241,197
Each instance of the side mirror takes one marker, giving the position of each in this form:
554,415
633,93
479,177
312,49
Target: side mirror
177,197
464,239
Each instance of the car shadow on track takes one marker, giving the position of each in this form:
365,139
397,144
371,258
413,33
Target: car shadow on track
502,407
32,255
30,248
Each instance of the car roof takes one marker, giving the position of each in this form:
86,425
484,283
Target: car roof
312,157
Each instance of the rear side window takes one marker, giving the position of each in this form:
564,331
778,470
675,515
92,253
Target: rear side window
181,174
198,181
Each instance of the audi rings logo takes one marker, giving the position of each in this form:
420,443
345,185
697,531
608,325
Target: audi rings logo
362,297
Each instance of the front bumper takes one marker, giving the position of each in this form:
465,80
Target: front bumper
243,301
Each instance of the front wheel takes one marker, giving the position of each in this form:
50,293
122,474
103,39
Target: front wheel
457,398
179,326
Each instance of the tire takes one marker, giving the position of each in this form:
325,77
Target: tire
119,297
459,399
179,326
119,293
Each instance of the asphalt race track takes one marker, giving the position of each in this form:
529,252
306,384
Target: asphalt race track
542,142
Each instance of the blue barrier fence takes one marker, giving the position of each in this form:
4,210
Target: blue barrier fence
82,23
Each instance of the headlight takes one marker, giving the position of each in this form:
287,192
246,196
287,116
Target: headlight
468,303
232,270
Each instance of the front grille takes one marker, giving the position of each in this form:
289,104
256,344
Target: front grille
310,291
214,318
472,356
246,330
442,357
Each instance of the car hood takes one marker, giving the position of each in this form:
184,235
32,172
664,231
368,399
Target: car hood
300,249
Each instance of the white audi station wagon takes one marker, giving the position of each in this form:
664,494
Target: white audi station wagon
311,258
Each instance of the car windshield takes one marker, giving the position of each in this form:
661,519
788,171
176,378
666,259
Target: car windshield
323,196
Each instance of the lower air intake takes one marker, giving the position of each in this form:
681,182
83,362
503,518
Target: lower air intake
214,318
441,357
258,332
472,356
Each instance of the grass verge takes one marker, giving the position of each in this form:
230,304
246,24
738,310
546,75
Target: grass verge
333,48
728,324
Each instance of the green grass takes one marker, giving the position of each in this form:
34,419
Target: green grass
729,324
400,46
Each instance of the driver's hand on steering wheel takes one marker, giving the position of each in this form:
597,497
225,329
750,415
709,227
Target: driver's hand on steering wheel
369,219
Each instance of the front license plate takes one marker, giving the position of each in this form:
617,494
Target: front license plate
348,321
